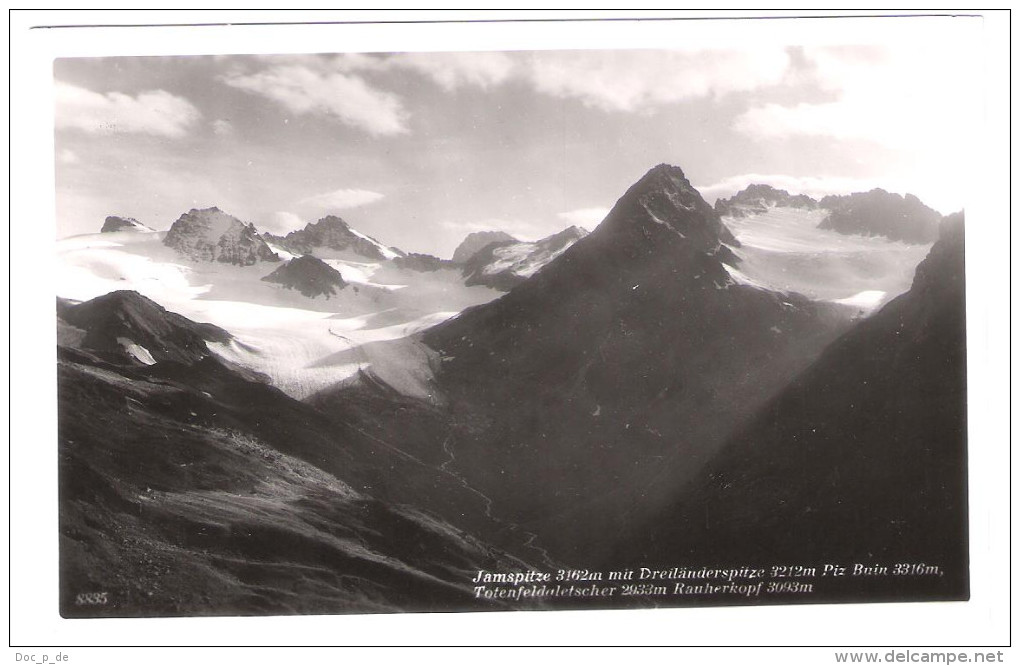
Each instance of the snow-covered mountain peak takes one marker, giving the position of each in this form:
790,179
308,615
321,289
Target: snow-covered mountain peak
115,223
501,265
332,233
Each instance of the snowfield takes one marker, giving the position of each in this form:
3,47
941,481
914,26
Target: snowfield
523,259
303,344
385,251
784,250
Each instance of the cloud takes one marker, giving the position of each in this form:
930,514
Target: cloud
341,199
585,217
311,89
905,97
640,80
851,119
281,223
322,62
617,80
154,112
335,86
452,70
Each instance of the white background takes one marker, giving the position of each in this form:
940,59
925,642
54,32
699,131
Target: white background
33,585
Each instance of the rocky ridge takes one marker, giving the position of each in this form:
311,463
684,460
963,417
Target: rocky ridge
881,213
758,198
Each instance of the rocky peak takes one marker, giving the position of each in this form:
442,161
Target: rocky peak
115,223
334,233
664,201
309,275
474,242
332,222
758,198
638,322
209,234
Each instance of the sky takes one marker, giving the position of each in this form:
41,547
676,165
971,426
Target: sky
420,149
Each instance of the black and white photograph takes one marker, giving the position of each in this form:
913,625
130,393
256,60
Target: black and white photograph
356,331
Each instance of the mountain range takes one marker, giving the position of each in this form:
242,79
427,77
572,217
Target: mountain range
874,213
318,422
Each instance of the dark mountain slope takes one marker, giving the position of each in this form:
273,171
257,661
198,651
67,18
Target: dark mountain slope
861,459
586,392
113,321
189,488
881,213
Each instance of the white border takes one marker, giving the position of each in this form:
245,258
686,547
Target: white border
982,621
